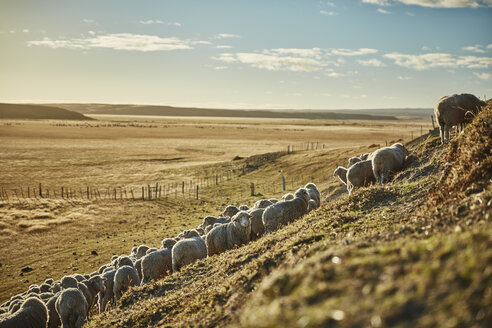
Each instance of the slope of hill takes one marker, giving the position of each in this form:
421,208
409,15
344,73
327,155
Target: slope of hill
415,253
207,112
28,111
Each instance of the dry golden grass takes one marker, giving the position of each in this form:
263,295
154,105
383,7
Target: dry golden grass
56,237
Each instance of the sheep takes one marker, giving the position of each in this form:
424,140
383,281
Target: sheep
452,111
287,196
106,295
94,285
138,266
168,242
187,251
32,314
141,251
45,296
15,305
49,281
103,267
124,278
53,317
79,277
226,236
286,211
273,200
211,220
230,211
156,265
262,203
314,193
360,174
150,250
123,260
189,233
56,288
71,306
312,205
200,230
388,160
243,207
44,288
353,160
341,173
257,227
68,282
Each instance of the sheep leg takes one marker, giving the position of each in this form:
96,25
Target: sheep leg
446,133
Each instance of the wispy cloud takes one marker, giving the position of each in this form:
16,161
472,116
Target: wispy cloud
483,76
331,4
88,21
404,78
272,61
152,21
221,67
328,13
383,11
435,3
353,52
476,48
371,62
226,36
222,46
25,30
119,41
432,60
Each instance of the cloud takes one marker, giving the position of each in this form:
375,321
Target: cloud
371,62
432,60
88,21
489,46
25,30
331,4
118,41
222,46
151,21
350,52
382,11
328,13
334,74
483,76
404,78
409,14
435,3
476,48
226,36
201,42
221,67
272,61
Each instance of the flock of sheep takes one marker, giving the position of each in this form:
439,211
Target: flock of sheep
68,302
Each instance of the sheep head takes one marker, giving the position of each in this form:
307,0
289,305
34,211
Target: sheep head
243,218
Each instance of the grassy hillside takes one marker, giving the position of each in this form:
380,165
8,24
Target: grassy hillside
27,111
208,112
416,253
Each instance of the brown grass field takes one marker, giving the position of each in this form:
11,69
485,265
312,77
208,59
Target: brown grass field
55,236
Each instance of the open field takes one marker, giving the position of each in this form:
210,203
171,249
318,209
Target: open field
56,237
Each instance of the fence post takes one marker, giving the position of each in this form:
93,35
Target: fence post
197,191
421,130
40,191
252,186
182,187
143,193
133,196
62,194
156,189
283,183
432,118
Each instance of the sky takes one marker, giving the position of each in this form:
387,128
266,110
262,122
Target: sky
245,54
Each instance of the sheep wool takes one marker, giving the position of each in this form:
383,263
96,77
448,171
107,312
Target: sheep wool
227,236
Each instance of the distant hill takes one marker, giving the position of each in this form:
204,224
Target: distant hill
208,112
28,111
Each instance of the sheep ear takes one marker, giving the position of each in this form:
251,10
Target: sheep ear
235,219
249,216
104,278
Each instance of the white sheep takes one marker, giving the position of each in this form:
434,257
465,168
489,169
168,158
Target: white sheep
123,260
360,174
452,111
187,251
341,173
94,286
287,196
227,236
54,320
287,211
156,265
314,193
141,251
68,282
106,295
257,227
124,278
262,203
31,314
71,306
167,243
388,160
230,211
244,207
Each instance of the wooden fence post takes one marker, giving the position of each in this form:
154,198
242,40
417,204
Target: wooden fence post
182,187
143,193
156,189
149,192
252,186
197,191
62,194
432,118
283,183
